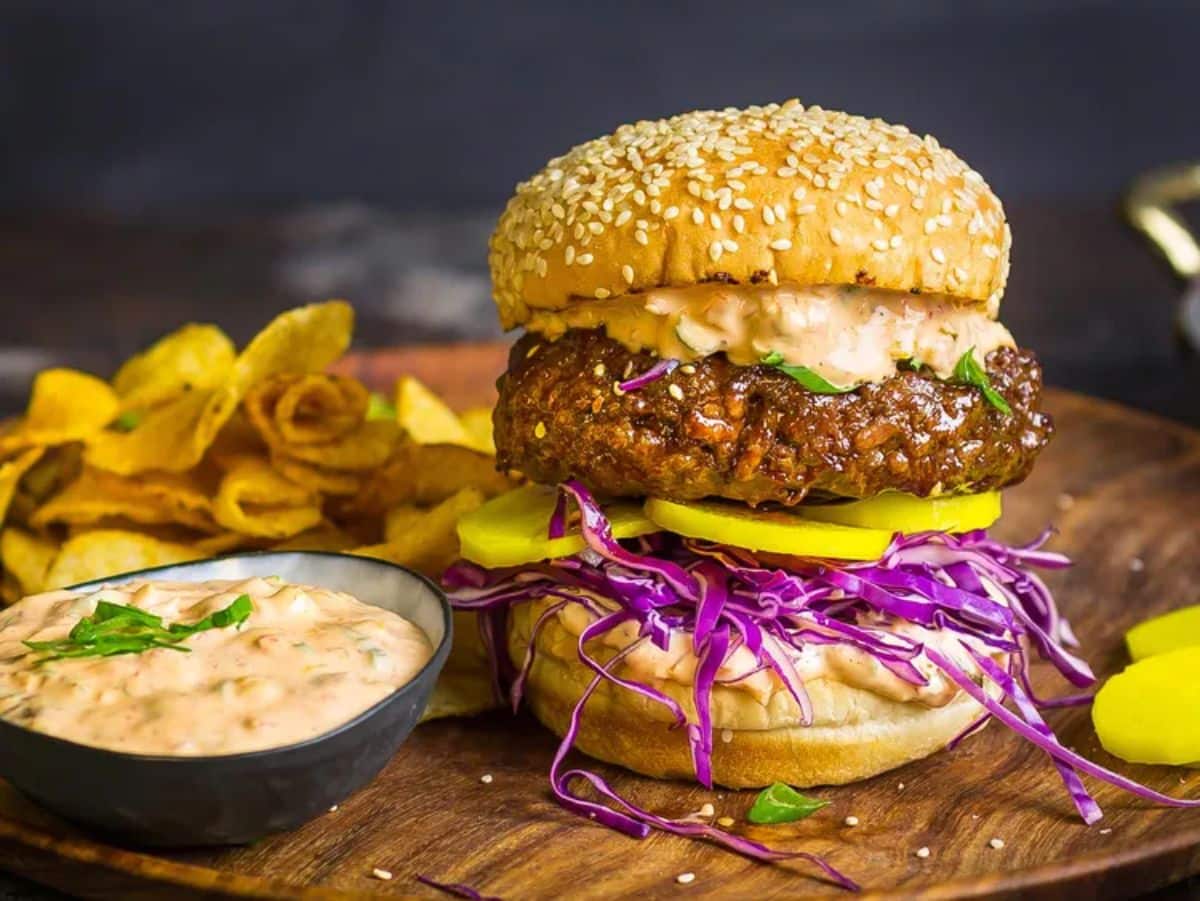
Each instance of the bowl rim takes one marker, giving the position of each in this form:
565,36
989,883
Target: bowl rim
434,663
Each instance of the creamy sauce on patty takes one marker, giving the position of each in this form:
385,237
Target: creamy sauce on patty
846,334
305,661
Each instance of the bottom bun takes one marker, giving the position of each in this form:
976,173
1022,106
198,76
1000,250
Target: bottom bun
618,726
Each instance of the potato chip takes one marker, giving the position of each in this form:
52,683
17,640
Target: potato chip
426,540
223,543
193,357
425,416
367,447
27,558
64,406
253,499
306,339
477,422
172,437
318,478
150,498
306,409
102,553
11,472
464,687
425,475
325,537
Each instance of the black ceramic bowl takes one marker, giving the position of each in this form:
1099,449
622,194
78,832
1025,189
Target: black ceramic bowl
237,798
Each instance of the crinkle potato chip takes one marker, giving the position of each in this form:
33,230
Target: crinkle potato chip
193,357
426,540
425,474
306,339
478,425
172,437
65,405
307,409
110,552
27,558
151,498
11,472
253,499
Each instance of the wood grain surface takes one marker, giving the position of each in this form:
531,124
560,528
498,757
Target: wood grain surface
1121,486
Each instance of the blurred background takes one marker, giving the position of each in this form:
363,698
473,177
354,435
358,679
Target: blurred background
222,160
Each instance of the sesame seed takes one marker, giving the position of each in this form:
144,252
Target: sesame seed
739,224
707,810
725,821
997,843
900,787
851,821
675,391
1137,564
670,212
539,431
381,874
895,241
768,215
742,203
685,878
1065,501
601,293
641,237
922,853
714,220
939,255
726,736
781,244
584,259
687,369
627,273
599,370
486,778
835,236
1106,831
529,353
333,809
715,250
806,209
569,254
617,390
623,217
880,244
729,244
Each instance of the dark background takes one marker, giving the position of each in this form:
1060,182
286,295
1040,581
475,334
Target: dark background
220,160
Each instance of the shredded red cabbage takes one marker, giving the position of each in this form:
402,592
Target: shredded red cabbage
653,374
967,584
456,888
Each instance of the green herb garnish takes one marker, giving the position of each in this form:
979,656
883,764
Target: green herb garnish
118,629
967,371
781,803
804,375
379,407
127,421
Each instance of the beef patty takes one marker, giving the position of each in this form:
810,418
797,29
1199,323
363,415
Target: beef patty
754,434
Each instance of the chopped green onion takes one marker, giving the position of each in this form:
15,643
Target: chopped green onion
804,375
967,371
781,803
379,407
119,629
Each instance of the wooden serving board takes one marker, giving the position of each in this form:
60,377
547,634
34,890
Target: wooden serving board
1120,485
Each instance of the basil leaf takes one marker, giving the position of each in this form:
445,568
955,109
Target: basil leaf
781,803
805,376
379,407
967,371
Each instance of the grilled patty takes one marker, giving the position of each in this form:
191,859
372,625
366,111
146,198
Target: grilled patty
754,434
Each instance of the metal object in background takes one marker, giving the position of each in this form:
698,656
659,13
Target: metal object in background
1149,208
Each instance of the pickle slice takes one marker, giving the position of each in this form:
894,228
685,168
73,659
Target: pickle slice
898,512
1169,632
512,529
1147,714
774,531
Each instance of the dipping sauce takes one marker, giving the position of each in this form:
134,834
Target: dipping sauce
305,661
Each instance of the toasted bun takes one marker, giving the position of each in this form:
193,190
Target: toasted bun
780,192
855,733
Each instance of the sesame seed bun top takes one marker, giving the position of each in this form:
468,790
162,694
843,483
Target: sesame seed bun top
779,193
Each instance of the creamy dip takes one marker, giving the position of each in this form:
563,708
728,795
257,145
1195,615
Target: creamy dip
846,334
305,661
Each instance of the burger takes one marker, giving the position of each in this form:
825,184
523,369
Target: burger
765,406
